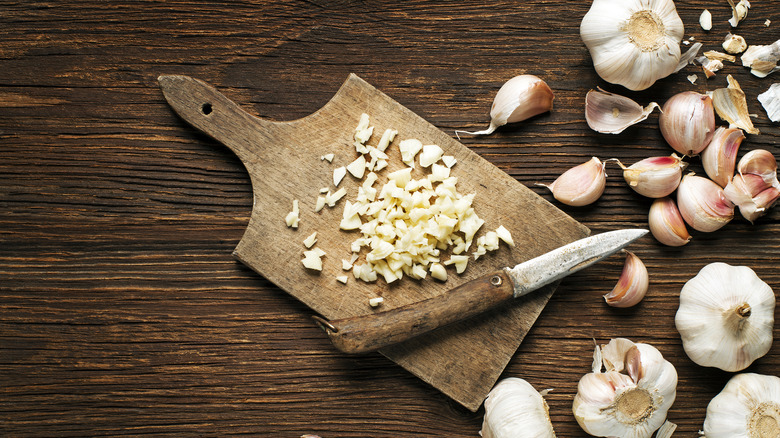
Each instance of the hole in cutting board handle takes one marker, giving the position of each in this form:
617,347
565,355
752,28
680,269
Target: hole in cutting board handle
206,108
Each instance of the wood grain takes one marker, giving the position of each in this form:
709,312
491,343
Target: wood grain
122,310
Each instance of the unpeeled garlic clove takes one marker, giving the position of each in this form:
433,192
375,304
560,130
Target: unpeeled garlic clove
760,162
520,98
755,189
720,156
702,204
611,113
632,284
654,177
687,122
734,44
731,106
580,185
762,60
666,223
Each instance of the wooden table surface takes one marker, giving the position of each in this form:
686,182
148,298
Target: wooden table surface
122,311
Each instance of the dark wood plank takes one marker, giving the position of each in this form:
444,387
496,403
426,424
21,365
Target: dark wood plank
122,311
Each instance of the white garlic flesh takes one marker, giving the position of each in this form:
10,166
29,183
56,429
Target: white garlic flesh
687,122
581,185
520,98
632,397
726,316
514,409
633,43
720,157
632,284
654,177
703,204
667,224
610,113
748,406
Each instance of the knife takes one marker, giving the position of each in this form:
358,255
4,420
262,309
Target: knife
366,333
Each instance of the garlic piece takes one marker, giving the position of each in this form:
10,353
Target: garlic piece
731,106
725,317
654,177
755,189
292,218
688,57
748,406
338,174
738,11
720,156
520,98
705,20
430,154
630,399
734,44
514,409
632,284
311,240
409,149
611,113
438,272
687,122
666,224
703,204
633,43
580,185
376,301
762,60
770,100
313,259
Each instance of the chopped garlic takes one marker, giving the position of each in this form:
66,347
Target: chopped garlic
320,204
338,174
386,139
311,240
358,167
448,160
332,199
409,149
346,264
342,279
767,23
292,217
363,131
431,153
328,157
692,78
460,262
376,302
504,235
438,272
313,259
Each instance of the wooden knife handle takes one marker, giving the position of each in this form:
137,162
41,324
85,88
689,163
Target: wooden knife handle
362,334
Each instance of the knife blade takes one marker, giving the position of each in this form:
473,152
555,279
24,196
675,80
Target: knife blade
366,333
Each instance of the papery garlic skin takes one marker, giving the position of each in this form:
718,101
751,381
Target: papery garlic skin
520,98
770,100
633,43
514,409
580,185
720,157
666,223
731,106
654,177
610,113
748,406
725,317
762,60
687,122
630,399
703,204
632,284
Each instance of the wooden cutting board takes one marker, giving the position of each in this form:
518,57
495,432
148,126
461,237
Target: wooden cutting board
284,162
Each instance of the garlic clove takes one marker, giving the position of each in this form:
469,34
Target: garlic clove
748,406
632,284
762,60
687,122
580,185
738,11
666,224
630,399
720,156
514,409
770,100
654,177
520,98
734,44
731,106
611,113
752,194
726,316
633,44
705,20
702,204
760,162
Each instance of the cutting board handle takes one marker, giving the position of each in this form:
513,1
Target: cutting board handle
205,108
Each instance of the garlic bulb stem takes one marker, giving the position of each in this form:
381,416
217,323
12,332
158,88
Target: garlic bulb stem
520,98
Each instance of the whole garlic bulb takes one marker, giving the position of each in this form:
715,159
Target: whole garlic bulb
748,406
633,42
514,409
725,317
687,122
630,399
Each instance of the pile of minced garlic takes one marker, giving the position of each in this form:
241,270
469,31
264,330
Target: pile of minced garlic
407,225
